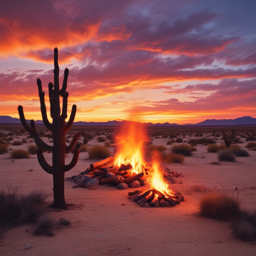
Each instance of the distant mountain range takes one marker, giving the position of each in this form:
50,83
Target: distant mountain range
246,120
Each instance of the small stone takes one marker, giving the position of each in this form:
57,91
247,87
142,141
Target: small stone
135,184
83,181
109,174
92,184
122,186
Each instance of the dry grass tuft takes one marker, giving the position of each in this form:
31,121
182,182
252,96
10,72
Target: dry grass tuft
183,149
83,148
251,145
226,155
3,148
19,153
63,222
107,144
101,139
213,148
17,143
220,206
98,152
44,226
174,158
32,149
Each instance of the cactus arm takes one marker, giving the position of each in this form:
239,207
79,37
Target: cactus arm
64,106
73,143
23,120
56,83
50,88
43,163
66,168
65,81
71,118
40,143
43,107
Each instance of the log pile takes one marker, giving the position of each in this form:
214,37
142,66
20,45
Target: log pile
155,198
106,173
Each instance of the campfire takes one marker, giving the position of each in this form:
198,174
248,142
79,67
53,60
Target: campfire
128,168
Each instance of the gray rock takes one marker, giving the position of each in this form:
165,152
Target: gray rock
122,186
135,184
92,184
83,181
109,174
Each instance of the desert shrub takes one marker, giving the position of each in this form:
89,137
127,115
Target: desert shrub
244,226
251,144
192,148
174,158
237,140
213,148
44,226
222,146
101,139
19,153
107,144
3,148
205,141
63,222
83,148
192,142
178,140
98,152
17,142
32,149
169,142
24,140
17,209
240,152
226,155
218,205
161,148
2,141
183,149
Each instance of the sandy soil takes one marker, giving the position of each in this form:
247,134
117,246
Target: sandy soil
107,223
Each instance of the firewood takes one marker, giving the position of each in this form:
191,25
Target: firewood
171,201
101,177
119,179
142,200
109,179
113,169
162,203
99,173
141,195
100,163
154,202
135,177
150,197
106,166
124,167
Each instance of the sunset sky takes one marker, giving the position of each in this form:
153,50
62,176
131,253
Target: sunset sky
177,61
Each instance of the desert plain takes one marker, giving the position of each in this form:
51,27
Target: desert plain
106,222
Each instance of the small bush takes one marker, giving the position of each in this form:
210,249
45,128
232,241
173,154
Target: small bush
98,152
83,148
160,148
44,226
219,206
251,144
213,148
222,146
32,149
192,148
169,142
205,141
19,153
240,152
226,155
63,222
101,139
178,140
174,158
24,140
17,142
107,144
244,227
183,149
3,148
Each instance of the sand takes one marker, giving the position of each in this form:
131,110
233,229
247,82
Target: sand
106,222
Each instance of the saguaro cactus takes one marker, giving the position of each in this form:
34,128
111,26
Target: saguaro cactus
59,128
229,138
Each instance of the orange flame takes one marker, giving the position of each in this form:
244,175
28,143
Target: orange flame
157,179
131,141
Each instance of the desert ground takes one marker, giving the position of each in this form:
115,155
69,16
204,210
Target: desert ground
106,222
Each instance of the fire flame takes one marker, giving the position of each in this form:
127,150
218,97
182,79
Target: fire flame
131,141
157,180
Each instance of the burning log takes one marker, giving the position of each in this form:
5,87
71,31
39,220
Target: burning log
135,177
100,163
